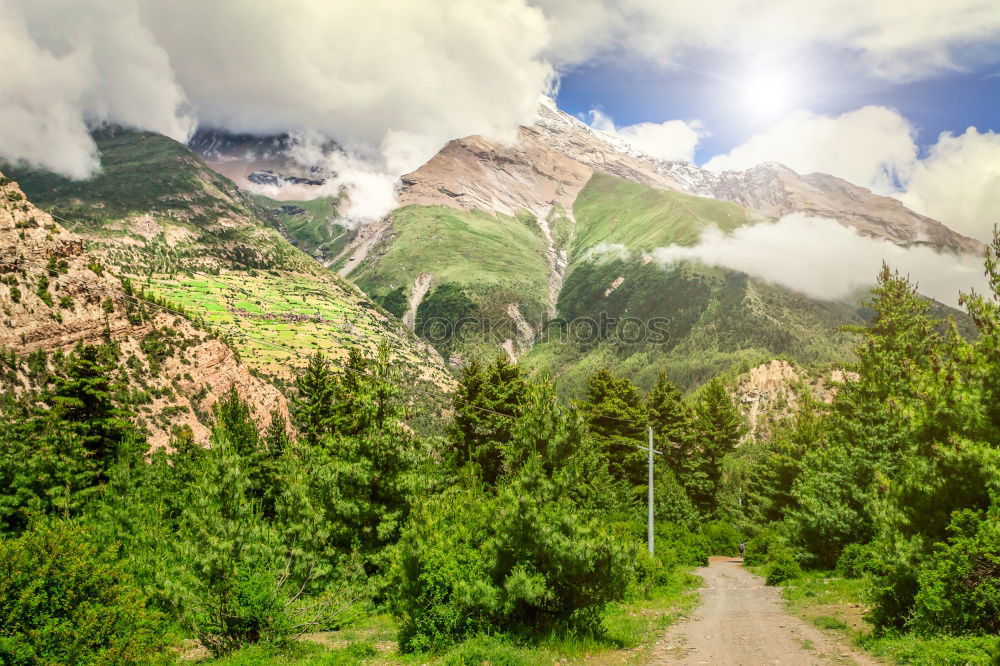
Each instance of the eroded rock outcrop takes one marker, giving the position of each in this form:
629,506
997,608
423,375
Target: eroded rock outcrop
54,295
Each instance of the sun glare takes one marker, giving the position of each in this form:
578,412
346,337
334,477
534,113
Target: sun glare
767,93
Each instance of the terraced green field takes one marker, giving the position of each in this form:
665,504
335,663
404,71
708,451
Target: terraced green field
276,320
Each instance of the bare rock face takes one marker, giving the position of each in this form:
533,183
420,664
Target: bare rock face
53,296
547,165
775,190
772,391
552,160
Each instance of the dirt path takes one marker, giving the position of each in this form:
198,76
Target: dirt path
742,621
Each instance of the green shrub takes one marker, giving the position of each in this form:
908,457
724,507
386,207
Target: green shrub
959,588
856,560
491,650
689,548
721,538
522,562
63,603
762,547
783,567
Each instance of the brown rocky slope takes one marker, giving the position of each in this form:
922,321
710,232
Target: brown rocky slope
53,296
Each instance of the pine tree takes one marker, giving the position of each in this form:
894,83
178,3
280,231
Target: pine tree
720,429
616,415
673,425
313,407
488,401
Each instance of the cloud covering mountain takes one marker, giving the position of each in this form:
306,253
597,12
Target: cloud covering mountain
826,260
390,81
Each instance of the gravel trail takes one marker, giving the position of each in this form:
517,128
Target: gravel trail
742,621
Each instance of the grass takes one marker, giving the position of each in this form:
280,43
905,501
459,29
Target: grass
613,211
314,227
836,604
479,263
629,631
460,247
276,319
714,320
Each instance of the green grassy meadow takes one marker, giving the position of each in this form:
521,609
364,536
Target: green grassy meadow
315,231
613,211
837,605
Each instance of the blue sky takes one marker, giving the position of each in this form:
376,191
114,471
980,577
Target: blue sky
707,87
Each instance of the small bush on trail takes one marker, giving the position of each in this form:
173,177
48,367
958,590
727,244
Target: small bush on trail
762,547
721,539
783,567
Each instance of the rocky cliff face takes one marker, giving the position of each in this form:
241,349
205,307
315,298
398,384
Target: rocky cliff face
54,295
552,160
774,390
775,190
547,165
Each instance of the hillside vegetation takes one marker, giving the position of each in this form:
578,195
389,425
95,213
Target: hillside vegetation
708,320
313,226
613,211
516,533
158,214
479,264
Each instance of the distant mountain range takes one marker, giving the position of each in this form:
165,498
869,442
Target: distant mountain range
557,225
493,249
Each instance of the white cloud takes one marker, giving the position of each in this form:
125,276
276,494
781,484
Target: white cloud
670,141
62,67
826,260
872,146
390,80
898,39
958,182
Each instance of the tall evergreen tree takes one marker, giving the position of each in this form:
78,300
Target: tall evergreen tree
313,407
56,452
616,415
673,425
487,403
720,429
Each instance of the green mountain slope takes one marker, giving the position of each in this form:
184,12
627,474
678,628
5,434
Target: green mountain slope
692,320
613,211
312,226
158,214
479,264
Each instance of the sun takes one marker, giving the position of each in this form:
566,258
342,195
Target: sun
767,93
